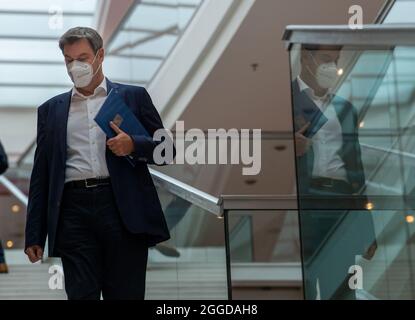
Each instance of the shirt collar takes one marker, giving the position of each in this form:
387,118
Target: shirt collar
102,87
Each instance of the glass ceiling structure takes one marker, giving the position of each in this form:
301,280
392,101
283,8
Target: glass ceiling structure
31,65
146,37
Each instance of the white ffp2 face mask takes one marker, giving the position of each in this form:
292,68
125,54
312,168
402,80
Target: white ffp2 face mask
326,74
81,73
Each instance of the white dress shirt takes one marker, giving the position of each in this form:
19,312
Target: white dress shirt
86,142
328,141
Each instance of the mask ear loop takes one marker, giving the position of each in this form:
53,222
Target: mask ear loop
93,64
312,58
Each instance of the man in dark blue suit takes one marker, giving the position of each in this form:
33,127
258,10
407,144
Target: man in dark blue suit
99,211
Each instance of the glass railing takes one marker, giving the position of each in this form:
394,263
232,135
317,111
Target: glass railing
192,264
264,248
353,108
12,215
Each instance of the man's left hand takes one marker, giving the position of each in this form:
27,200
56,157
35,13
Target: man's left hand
122,144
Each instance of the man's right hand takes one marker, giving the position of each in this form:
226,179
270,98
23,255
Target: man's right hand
35,253
301,142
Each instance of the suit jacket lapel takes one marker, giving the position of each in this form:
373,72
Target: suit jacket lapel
62,113
111,86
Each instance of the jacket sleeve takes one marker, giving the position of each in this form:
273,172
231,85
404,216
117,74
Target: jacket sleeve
144,146
36,223
4,164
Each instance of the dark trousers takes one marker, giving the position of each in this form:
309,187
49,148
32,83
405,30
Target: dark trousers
98,254
2,258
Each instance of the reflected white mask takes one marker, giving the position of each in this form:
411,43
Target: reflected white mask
81,73
326,74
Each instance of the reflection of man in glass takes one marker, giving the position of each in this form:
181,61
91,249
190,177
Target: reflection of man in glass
329,166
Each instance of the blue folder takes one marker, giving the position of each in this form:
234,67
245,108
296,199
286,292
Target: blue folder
116,110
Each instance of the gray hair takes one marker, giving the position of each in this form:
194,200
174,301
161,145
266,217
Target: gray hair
75,34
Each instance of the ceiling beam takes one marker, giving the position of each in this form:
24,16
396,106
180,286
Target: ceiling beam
160,4
31,62
29,37
110,17
144,30
136,43
35,85
137,56
45,13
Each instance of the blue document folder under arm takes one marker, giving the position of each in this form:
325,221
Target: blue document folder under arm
115,109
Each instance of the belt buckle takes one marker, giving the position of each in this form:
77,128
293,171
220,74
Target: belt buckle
328,184
90,186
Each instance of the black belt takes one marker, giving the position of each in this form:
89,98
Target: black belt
89,183
335,184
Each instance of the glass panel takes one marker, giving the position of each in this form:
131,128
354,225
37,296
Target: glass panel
147,37
12,218
30,50
401,12
80,6
264,236
30,29
52,74
265,254
354,118
358,254
192,264
28,96
38,25
132,70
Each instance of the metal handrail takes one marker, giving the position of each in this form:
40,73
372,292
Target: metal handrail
187,192
14,190
370,36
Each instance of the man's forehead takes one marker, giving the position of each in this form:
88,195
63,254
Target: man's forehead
328,52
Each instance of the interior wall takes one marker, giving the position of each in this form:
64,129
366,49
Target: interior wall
238,95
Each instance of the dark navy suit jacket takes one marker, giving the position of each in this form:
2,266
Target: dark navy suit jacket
133,187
